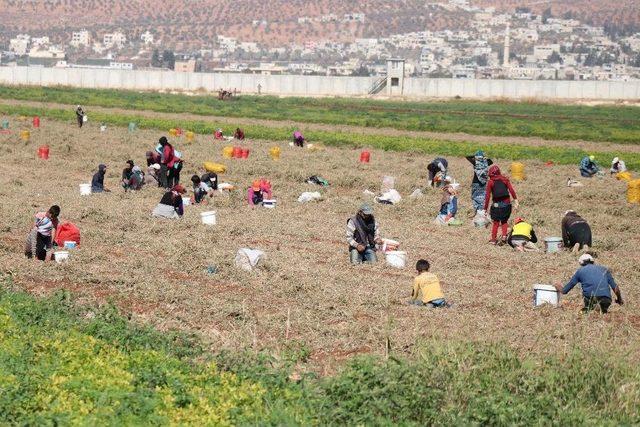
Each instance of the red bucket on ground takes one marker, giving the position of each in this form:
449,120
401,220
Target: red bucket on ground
36,122
43,152
237,152
365,156
245,153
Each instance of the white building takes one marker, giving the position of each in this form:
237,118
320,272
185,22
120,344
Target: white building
40,41
20,44
542,52
52,52
116,39
80,38
146,37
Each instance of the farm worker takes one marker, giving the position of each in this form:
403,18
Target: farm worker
437,167
170,205
523,237
154,172
80,115
97,182
588,166
153,157
362,236
298,139
167,161
200,189
617,166
211,179
596,282
448,202
258,192
499,189
427,285
174,172
218,134
576,232
42,235
239,134
136,181
127,174
480,177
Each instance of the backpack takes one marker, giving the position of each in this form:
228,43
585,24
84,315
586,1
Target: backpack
499,190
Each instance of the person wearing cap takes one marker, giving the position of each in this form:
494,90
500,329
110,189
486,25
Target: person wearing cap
362,236
154,172
259,191
596,282
589,167
170,205
97,182
480,177
576,232
80,115
617,166
437,167
522,236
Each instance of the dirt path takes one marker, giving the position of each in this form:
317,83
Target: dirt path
454,137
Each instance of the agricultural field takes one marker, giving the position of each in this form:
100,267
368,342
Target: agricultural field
620,124
339,337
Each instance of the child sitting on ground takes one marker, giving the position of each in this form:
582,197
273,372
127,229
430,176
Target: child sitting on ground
428,285
448,204
200,190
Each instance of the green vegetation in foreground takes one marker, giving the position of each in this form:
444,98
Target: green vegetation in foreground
62,364
549,121
559,155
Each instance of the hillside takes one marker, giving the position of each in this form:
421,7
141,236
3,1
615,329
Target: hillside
197,22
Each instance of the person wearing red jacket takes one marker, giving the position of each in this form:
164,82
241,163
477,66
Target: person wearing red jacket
167,161
499,191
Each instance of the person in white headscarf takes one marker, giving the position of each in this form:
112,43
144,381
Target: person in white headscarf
617,166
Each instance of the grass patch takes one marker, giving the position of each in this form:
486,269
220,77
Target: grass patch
63,364
549,121
559,155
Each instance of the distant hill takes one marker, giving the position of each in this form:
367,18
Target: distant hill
598,12
195,23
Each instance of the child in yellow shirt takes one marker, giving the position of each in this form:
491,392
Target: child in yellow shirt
428,285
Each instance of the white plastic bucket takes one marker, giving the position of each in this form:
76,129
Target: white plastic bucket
208,218
545,294
186,201
85,189
389,245
269,203
552,244
61,256
397,259
69,244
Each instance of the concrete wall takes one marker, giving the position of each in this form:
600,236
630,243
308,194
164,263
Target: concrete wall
316,85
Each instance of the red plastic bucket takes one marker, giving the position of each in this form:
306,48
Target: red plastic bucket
245,153
365,156
36,122
43,152
237,152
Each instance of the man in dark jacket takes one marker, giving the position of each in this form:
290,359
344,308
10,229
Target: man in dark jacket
576,233
80,116
362,236
97,182
596,282
437,166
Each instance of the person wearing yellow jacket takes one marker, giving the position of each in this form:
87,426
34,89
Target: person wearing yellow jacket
427,286
522,237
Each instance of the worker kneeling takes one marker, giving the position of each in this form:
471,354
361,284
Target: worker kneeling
522,237
362,236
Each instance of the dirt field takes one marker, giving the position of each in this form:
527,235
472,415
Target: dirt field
307,291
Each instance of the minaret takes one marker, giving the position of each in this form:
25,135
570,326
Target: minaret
505,59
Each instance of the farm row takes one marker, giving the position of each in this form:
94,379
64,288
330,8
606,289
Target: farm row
556,154
602,123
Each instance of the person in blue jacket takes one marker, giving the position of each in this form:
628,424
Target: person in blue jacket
597,283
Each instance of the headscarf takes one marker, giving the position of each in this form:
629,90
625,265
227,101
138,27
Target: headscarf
102,168
481,166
